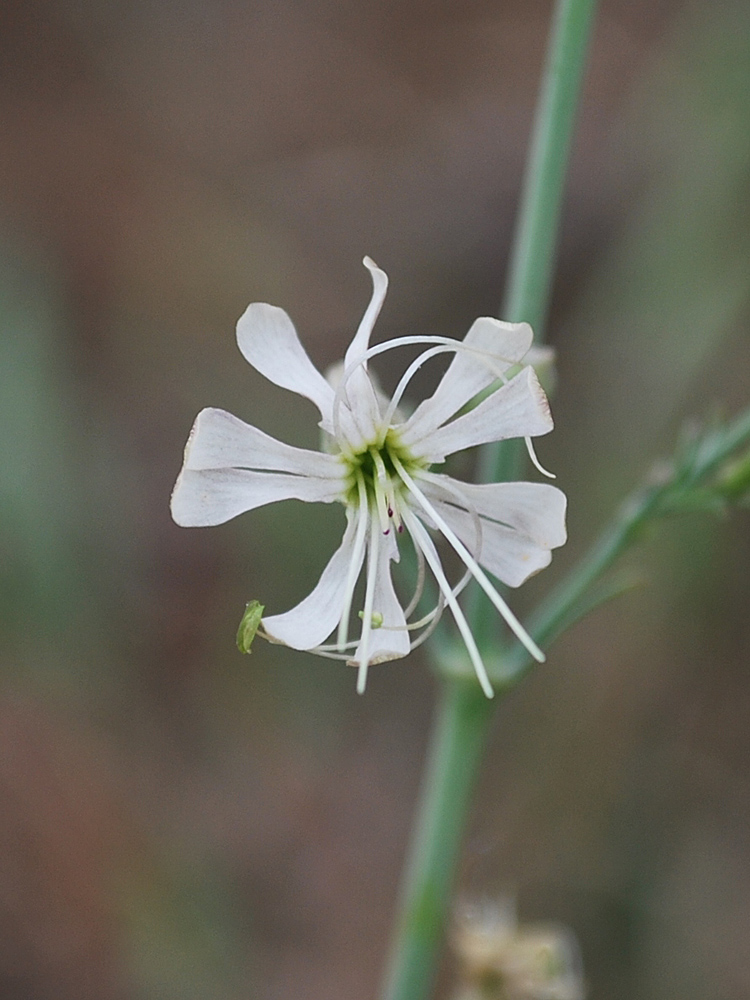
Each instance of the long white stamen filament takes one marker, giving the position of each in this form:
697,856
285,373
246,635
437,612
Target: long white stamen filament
432,618
383,507
372,572
444,484
469,561
438,609
381,485
353,573
419,588
338,396
535,461
448,344
330,651
488,359
333,647
407,377
421,538
436,615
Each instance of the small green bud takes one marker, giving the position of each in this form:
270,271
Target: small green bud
376,619
249,625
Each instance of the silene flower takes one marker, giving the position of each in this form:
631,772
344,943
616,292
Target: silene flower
378,464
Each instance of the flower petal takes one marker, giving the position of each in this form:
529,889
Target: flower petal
358,414
468,373
390,639
308,623
361,340
517,409
212,496
536,510
511,556
268,340
220,440
358,391
423,541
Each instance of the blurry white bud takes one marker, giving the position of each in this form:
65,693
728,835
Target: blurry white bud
500,960
542,360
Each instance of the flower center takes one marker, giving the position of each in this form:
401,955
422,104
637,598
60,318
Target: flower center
374,468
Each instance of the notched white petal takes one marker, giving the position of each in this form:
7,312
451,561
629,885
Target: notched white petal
359,417
312,620
206,497
390,639
491,347
219,440
358,392
268,340
518,409
536,510
511,556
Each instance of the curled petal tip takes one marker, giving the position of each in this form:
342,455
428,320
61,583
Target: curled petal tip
378,274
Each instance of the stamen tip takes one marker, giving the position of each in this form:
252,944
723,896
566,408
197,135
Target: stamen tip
484,683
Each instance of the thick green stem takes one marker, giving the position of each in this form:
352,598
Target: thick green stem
455,751
464,714
529,282
535,240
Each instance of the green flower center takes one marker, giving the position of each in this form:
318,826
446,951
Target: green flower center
376,468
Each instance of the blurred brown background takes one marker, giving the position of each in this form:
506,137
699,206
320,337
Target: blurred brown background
177,821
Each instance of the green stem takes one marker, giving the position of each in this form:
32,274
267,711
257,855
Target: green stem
455,751
552,615
529,282
535,240
464,714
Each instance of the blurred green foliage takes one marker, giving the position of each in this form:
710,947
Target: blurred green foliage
179,820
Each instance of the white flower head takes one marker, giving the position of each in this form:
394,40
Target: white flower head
378,466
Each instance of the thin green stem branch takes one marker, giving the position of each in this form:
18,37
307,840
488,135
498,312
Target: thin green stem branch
671,489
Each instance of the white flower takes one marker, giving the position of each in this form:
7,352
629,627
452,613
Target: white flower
379,468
